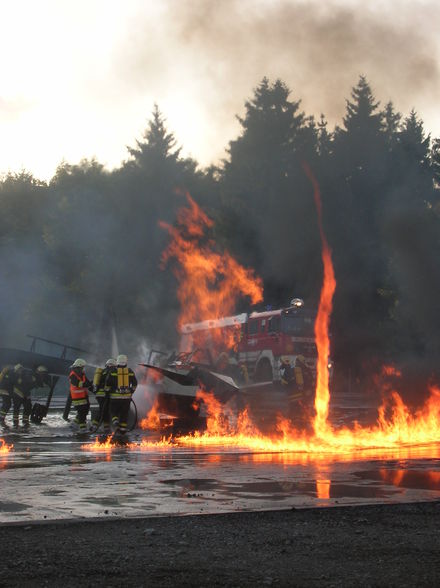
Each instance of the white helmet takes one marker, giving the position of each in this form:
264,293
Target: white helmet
18,367
110,362
42,369
79,363
121,360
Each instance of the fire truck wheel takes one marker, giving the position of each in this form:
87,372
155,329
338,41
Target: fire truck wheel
263,372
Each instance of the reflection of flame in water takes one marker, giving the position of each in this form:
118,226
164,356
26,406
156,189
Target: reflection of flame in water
394,477
323,489
4,447
426,479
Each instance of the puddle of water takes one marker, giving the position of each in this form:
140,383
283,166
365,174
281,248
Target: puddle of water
13,506
278,490
402,478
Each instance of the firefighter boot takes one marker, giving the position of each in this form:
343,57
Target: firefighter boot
115,423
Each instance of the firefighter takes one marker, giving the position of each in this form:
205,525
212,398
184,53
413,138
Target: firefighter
121,383
302,374
101,391
7,379
286,373
79,386
25,382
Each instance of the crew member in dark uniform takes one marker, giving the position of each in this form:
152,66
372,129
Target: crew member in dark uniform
286,373
24,383
8,376
121,383
102,394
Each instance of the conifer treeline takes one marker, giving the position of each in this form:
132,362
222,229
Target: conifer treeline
86,246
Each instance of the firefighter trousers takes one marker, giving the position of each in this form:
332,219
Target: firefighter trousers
104,412
6,405
119,408
19,401
82,410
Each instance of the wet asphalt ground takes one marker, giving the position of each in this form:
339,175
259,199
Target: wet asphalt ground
49,475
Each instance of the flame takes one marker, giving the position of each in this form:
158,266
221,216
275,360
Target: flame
152,420
390,370
4,447
398,432
322,395
209,281
396,427
145,444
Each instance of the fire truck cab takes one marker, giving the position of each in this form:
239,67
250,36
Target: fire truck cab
268,336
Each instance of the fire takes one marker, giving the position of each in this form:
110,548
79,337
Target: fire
209,281
390,370
152,420
322,395
209,285
145,444
396,425
4,447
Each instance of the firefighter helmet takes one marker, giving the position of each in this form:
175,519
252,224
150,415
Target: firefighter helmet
18,367
110,362
285,359
300,358
42,369
79,363
121,360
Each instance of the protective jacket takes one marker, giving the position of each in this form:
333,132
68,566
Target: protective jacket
100,386
79,385
286,374
121,382
303,376
24,383
7,380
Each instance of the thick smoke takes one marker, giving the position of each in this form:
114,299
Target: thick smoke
214,52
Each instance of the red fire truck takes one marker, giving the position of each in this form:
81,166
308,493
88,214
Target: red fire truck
255,341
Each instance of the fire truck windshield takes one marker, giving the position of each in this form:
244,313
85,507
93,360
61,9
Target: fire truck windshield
294,324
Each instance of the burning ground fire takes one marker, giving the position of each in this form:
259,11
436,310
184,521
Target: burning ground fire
397,427
4,447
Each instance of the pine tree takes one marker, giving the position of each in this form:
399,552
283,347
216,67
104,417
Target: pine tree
324,138
157,144
391,120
